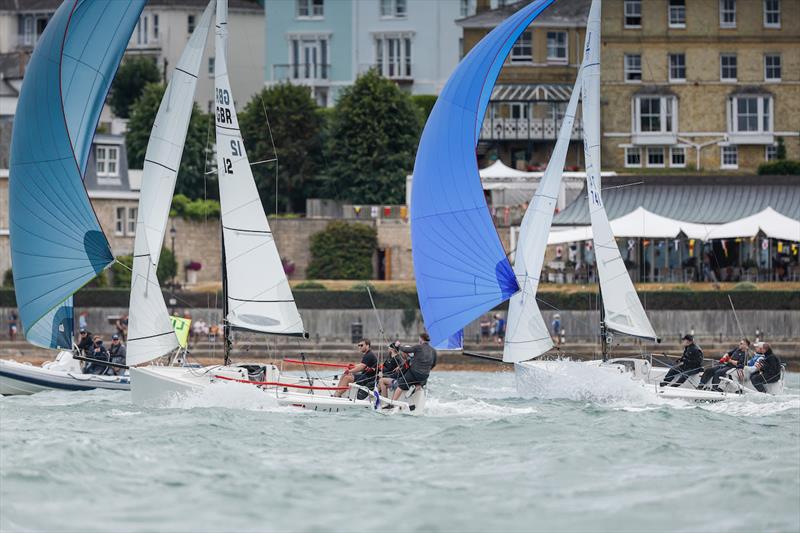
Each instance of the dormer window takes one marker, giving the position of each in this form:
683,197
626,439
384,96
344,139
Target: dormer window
107,159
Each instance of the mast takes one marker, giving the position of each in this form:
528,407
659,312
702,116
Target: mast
226,328
604,332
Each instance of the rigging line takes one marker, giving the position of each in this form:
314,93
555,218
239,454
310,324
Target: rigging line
622,186
274,149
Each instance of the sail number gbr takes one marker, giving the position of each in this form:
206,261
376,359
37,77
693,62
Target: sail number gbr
223,112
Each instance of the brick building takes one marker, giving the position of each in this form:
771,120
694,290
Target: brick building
686,84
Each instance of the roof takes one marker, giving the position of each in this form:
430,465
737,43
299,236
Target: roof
700,199
562,13
52,5
541,92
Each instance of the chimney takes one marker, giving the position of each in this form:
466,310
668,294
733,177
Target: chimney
483,5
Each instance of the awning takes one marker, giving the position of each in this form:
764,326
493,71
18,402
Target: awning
768,221
540,92
638,223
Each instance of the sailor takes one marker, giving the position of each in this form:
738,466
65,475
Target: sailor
734,358
391,369
117,354
85,343
98,353
420,360
691,362
767,368
364,372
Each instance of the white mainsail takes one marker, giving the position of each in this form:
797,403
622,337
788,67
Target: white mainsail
527,334
150,332
257,291
623,310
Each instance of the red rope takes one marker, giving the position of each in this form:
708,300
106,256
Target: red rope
278,384
318,363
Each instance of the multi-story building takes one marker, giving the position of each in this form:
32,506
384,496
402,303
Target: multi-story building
530,97
703,84
326,44
162,32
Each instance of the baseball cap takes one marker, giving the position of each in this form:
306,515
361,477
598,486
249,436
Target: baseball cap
114,337
83,330
688,337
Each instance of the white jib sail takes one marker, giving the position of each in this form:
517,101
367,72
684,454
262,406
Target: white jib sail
150,332
527,334
623,310
258,293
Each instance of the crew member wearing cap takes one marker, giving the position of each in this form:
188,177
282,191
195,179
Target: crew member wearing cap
363,373
117,354
420,360
85,343
767,368
691,362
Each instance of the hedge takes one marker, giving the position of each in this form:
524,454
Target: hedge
352,299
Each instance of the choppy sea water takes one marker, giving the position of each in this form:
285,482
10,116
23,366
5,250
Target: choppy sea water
482,458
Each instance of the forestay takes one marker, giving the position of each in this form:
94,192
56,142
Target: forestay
623,310
527,335
460,266
257,291
57,245
150,333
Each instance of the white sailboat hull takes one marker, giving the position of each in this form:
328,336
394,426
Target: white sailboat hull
62,374
160,385
543,377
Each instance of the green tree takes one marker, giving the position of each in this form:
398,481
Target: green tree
167,266
372,141
8,279
343,251
192,178
424,103
295,125
122,270
131,78
780,152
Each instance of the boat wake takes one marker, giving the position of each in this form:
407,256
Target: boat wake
472,409
574,380
225,395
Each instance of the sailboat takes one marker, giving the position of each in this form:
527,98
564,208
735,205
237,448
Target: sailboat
256,293
57,244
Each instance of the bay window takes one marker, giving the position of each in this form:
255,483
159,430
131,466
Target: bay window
393,56
750,115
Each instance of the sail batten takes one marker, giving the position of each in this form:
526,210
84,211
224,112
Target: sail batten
257,293
452,232
150,330
623,309
57,244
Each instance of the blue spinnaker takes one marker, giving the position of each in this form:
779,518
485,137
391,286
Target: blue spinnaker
459,263
57,245
454,342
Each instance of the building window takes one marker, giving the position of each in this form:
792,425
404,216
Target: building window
119,221
677,13
190,23
522,51
677,67
107,158
310,8
633,157
655,156
467,8
557,47
633,67
727,13
655,114
633,13
727,67
309,59
393,56
770,152
730,157
751,114
772,67
677,157
155,27
211,66
772,13
30,28
393,8
133,213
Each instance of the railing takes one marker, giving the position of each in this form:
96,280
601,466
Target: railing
526,129
302,72
399,72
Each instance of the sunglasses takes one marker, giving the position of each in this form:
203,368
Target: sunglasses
361,345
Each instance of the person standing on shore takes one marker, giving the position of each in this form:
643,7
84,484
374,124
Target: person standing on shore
13,324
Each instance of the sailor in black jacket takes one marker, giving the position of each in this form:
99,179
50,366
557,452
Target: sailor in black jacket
691,362
768,368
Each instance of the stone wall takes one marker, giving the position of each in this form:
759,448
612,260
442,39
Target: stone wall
332,325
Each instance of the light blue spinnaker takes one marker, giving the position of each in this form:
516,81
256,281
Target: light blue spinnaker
459,262
57,245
